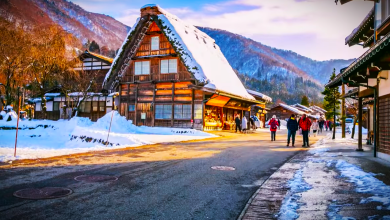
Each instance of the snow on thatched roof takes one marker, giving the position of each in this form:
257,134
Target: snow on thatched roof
292,109
199,53
261,95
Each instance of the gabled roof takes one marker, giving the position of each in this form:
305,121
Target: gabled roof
303,107
292,109
198,52
316,108
96,55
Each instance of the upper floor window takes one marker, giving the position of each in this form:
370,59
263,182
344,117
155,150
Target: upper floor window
155,43
142,68
169,66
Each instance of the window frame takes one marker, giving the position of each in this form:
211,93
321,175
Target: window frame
142,67
179,112
161,115
169,70
151,43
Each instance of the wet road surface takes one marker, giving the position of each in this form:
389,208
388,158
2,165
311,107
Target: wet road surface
164,181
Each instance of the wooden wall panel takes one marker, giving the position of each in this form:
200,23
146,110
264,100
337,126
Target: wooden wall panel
183,99
163,85
183,92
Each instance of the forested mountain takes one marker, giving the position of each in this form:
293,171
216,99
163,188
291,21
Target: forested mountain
281,74
103,29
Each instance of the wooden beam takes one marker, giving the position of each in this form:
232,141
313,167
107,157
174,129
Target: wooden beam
192,108
154,106
128,100
173,104
360,115
135,105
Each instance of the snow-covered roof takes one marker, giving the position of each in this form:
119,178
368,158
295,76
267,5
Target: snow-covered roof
52,94
369,17
316,108
292,109
303,107
261,95
199,53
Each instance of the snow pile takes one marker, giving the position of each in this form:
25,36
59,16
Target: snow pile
290,203
365,183
78,135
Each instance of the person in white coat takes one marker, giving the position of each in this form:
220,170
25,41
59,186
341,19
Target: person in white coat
244,124
315,126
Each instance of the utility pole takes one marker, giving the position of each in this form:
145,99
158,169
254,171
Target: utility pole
343,111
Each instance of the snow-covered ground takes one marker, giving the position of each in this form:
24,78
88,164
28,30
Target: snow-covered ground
78,135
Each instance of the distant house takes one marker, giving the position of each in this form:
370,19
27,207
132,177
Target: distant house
318,111
95,106
259,110
303,108
283,111
170,74
94,62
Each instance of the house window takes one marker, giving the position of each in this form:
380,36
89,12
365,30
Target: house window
56,106
142,68
155,43
131,108
85,107
183,111
101,106
163,111
198,114
95,106
169,66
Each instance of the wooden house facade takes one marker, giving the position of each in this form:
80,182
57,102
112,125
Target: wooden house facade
369,74
170,74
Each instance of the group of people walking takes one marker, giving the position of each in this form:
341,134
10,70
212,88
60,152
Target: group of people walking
303,125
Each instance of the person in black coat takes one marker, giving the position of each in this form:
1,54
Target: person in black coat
238,122
292,127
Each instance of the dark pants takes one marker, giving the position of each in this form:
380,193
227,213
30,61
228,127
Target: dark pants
321,128
291,134
273,135
305,135
238,126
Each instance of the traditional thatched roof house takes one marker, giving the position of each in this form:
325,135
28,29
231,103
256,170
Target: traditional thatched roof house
169,73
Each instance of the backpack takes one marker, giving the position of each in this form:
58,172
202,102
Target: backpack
273,125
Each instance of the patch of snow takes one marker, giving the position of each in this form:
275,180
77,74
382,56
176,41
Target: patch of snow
292,109
365,183
290,203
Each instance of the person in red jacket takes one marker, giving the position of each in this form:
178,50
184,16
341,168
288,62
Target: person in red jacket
305,124
273,127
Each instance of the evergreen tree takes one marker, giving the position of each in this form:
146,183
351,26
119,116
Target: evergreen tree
94,47
305,101
332,102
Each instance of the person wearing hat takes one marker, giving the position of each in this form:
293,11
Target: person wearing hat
273,127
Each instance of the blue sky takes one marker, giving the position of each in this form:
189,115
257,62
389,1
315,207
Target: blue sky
313,28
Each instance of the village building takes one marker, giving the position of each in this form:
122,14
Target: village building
303,108
260,110
170,74
318,111
94,105
369,74
284,112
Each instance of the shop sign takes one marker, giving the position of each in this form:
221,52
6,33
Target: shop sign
143,115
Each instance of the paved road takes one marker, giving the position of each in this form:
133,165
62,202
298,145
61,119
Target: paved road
165,181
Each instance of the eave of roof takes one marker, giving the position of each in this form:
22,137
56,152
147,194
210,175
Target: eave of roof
99,56
368,21
352,93
260,95
366,57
